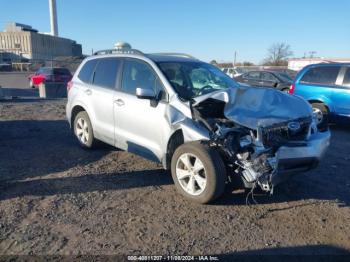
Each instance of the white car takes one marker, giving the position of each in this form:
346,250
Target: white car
232,72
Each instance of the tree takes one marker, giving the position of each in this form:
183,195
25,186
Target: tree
278,54
213,62
247,63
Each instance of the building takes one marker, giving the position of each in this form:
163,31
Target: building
297,64
20,42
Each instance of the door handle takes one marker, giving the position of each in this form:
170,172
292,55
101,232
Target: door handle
119,102
88,92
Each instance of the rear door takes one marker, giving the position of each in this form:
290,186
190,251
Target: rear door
341,92
269,80
252,78
101,95
97,85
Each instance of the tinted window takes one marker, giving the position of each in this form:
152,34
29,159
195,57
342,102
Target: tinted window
45,71
106,72
252,75
268,77
346,81
61,71
139,74
85,73
326,75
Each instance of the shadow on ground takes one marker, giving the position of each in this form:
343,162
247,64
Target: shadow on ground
21,92
39,148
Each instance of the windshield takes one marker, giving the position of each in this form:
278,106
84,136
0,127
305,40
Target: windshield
192,79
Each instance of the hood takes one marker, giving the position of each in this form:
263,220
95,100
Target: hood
253,107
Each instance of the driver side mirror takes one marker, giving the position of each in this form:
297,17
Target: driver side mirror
143,93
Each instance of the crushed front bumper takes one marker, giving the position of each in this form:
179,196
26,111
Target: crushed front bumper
300,156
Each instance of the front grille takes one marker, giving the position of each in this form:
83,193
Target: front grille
279,134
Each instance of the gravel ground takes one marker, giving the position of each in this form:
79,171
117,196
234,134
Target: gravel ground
56,198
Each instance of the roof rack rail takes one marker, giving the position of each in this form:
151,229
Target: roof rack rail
176,54
119,51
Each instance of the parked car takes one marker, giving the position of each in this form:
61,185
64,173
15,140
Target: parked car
278,80
233,72
49,74
327,88
194,120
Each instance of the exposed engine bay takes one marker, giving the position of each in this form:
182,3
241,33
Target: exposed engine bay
249,153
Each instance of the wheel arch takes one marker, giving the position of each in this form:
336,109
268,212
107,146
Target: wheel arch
175,140
320,101
76,110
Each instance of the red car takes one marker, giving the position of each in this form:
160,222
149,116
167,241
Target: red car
48,74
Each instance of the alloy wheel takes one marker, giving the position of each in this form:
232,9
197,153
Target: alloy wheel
191,174
82,130
318,113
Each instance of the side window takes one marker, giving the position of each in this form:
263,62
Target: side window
138,74
85,73
106,72
253,75
346,81
268,77
225,70
326,75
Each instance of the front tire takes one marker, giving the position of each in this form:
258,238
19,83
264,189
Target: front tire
198,172
322,115
83,130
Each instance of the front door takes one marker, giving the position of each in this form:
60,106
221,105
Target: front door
140,124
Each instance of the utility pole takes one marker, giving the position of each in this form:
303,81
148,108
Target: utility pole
235,59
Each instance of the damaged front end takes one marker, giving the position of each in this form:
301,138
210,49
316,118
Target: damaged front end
261,147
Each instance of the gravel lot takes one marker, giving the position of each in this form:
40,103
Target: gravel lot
56,198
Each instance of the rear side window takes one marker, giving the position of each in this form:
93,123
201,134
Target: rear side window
346,81
45,71
325,75
85,73
106,72
252,75
268,77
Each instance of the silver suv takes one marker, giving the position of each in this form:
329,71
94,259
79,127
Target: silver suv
194,119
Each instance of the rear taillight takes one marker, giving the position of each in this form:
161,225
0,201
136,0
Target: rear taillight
291,89
69,85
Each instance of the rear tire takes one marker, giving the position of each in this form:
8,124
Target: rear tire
83,130
198,172
322,115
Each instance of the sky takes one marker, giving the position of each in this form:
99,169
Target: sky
206,29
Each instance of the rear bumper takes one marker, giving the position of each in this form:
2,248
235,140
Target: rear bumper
301,157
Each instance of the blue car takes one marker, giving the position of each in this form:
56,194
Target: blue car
327,88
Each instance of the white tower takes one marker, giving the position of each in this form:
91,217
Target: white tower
53,17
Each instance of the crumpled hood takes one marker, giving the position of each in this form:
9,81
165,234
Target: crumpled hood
252,107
